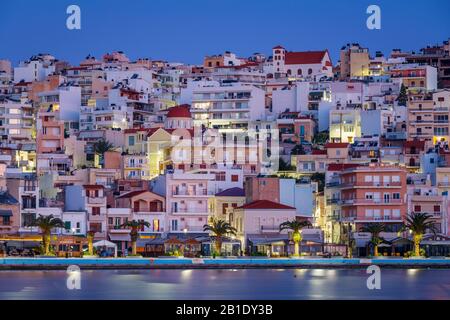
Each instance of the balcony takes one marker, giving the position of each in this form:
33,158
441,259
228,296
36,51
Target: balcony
149,212
194,211
192,193
187,228
96,200
119,211
333,201
371,202
372,219
270,229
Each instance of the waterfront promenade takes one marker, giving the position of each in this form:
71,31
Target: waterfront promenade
206,263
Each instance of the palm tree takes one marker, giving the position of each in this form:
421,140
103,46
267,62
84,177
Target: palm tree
418,223
296,226
102,146
45,225
219,228
90,237
375,229
134,233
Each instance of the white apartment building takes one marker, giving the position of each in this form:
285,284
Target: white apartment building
188,195
35,69
345,125
16,120
227,108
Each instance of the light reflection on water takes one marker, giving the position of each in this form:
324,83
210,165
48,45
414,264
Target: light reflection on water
227,284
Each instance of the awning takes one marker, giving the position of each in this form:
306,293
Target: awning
6,213
119,237
361,243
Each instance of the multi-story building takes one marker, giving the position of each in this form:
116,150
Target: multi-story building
425,198
345,125
227,108
354,62
368,194
223,203
416,78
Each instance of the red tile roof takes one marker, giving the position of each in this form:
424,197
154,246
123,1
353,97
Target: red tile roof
265,204
181,111
317,151
331,145
131,194
341,166
415,143
93,186
305,57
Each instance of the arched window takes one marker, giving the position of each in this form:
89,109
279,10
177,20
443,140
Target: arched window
299,72
309,71
289,72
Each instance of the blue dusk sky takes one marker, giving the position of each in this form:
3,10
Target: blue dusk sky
186,30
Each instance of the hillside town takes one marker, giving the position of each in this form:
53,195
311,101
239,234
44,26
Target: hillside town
278,154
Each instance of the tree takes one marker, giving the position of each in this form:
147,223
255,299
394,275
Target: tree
90,237
283,166
402,96
375,229
102,146
319,177
134,233
297,150
296,226
219,228
321,137
419,223
45,225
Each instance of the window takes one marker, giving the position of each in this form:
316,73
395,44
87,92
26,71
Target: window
367,178
224,208
396,213
395,178
396,195
417,208
95,211
338,152
67,225
369,212
131,140
174,225
6,220
369,195
234,178
437,208
96,227
156,225
310,71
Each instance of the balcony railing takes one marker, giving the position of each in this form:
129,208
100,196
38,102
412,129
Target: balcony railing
269,228
96,200
203,192
193,211
370,201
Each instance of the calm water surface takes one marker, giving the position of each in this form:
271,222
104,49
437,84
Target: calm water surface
227,284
